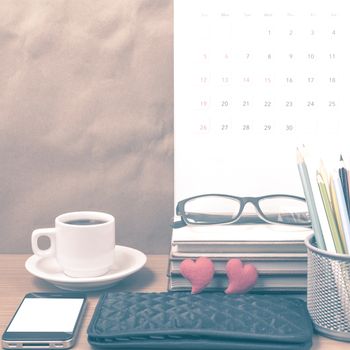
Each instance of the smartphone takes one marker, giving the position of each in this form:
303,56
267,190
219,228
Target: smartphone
45,321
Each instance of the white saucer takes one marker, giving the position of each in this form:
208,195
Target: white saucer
127,261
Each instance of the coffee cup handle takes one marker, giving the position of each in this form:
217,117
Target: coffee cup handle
44,232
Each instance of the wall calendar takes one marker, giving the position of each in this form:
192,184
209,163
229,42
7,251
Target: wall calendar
254,79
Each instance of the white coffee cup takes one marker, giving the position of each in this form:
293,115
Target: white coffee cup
83,243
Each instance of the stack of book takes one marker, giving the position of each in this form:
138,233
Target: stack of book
277,251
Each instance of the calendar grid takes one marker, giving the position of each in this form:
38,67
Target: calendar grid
261,71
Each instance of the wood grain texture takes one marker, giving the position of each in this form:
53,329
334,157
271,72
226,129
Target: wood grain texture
15,282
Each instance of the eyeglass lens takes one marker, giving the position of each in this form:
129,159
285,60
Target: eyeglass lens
211,209
285,210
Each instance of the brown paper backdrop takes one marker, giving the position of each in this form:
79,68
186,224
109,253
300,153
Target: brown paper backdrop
86,108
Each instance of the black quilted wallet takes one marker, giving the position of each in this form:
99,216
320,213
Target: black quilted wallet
128,320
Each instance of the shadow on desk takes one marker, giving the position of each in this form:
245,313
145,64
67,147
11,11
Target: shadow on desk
136,282
142,280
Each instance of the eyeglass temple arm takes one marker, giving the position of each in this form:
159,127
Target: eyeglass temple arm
207,218
215,218
178,224
201,218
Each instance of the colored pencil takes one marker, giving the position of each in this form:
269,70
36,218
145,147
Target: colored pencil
343,175
305,180
342,207
330,215
336,210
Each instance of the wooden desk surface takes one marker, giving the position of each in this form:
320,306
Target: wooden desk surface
15,282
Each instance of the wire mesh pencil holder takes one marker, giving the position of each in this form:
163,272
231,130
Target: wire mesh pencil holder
328,291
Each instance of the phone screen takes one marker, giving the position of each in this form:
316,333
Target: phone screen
46,315
46,321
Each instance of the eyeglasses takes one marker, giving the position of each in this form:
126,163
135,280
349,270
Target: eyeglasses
215,209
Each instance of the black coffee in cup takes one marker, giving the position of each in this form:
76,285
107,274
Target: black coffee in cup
85,222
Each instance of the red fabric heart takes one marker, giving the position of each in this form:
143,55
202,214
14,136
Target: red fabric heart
241,278
199,272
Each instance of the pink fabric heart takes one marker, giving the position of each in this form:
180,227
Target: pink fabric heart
199,272
241,278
